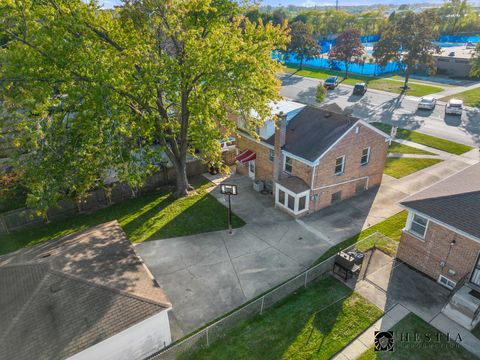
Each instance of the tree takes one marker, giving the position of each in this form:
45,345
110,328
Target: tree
408,38
279,17
456,15
321,93
348,48
475,70
90,91
302,43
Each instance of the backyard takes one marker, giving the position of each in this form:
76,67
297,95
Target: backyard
379,83
397,148
152,216
439,349
314,322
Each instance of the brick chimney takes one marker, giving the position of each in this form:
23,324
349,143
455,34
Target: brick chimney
280,135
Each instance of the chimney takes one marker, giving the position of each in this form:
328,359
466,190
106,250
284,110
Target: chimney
280,135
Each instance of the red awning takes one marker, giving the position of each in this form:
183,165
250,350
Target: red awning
245,156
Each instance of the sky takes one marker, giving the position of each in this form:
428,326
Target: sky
110,3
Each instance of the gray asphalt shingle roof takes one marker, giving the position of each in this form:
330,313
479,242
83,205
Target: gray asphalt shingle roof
63,296
313,130
454,201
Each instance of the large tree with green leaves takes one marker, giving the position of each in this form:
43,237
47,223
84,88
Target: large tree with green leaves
89,91
408,38
347,48
302,43
475,70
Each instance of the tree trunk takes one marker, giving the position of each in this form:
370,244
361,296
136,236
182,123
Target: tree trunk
407,76
301,64
346,69
182,185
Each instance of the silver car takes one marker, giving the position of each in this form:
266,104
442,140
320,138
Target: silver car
454,107
427,103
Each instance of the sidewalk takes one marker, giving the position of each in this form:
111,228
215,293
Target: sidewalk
366,340
456,90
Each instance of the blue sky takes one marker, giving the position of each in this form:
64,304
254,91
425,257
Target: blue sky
110,3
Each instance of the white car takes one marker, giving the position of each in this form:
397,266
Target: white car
454,107
427,102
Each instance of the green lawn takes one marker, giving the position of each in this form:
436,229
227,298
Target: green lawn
152,216
476,331
391,227
398,148
427,140
379,83
469,97
314,323
437,348
400,167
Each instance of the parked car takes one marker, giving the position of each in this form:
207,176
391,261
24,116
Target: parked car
331,82
360,88
427,102
454,107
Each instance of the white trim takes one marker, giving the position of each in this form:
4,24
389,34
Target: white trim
343,182
285,164
408,227
302,160
313,176
436,221
297,197
369,150
358,122
259,140
343,165
451,287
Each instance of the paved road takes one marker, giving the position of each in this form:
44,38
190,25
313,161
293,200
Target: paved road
391,108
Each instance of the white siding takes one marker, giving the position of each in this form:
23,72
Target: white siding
136,342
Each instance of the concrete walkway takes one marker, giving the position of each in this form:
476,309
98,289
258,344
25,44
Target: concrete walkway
367,339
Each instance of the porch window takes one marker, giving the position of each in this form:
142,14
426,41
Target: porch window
365,156
475,279
339,165
296,203
288,165
418,225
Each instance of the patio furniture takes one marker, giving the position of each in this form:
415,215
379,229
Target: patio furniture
345,265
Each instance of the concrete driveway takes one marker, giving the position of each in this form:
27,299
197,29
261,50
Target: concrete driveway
207,275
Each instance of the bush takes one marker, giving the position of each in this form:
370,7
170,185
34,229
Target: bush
321,93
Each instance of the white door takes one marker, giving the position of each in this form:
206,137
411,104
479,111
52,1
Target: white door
251,169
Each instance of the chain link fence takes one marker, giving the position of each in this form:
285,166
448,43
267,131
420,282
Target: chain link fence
215,331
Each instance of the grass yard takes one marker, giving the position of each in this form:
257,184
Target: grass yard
152,216
469,97
391,227
316,322
427,140
379,83
400,167
398,148
438,349
476,331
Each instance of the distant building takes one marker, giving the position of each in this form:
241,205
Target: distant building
454,61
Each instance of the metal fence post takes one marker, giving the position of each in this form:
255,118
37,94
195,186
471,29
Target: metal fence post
306,276
208,343
261,307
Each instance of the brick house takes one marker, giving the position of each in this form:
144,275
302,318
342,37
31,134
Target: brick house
442,239
313,157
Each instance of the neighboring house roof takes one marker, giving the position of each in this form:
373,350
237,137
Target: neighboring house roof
454,201
312,131
63,296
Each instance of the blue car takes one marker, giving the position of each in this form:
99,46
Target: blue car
331,83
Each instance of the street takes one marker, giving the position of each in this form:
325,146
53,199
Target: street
391,108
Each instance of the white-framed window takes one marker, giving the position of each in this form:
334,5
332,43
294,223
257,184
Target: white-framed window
339,165
446,282
288,167
365,156
475,278
271,154
417,225
296,203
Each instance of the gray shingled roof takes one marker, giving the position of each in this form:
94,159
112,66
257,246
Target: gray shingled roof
313,130
63,296
454,201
